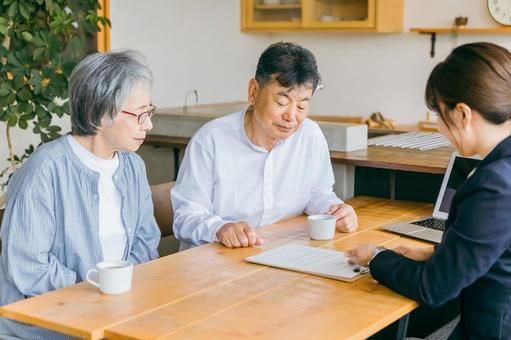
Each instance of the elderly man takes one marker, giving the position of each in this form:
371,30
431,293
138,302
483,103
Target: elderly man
264,164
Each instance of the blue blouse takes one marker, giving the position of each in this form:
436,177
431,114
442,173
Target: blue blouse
50,236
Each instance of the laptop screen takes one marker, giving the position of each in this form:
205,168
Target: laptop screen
461,169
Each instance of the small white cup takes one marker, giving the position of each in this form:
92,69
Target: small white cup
321,227
114,277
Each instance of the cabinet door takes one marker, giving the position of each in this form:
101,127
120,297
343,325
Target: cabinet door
339,13
271,14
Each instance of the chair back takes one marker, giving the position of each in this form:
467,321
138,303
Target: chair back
163,212
1,218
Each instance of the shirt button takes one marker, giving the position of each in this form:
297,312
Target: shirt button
95,196
129,229
115,177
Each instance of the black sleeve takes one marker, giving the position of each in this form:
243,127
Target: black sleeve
477,238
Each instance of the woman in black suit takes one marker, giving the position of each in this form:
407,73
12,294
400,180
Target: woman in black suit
471,93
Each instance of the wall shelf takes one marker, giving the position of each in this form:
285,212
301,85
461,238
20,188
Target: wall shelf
273,7
433,31
461,30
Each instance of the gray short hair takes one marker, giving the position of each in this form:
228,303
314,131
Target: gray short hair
99,85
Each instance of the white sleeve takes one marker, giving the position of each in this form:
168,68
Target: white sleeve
322,195
194,219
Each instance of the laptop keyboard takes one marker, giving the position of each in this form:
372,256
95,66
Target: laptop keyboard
432,223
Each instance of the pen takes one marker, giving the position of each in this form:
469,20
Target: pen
361,269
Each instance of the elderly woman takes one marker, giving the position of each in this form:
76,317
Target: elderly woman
261,165
83,198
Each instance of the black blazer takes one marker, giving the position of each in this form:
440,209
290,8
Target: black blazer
473,260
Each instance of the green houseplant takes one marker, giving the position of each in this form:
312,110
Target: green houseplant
40,43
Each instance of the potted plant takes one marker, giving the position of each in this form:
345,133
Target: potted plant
40,43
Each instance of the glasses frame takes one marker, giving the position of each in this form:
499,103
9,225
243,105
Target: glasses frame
141,118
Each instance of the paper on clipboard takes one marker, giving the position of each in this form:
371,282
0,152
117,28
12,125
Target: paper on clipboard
310,260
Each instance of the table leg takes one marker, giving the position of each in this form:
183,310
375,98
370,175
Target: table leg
392,184
402,327
176,162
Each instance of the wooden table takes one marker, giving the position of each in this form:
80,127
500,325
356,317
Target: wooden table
210,292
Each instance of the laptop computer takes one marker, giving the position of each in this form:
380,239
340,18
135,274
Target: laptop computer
432,228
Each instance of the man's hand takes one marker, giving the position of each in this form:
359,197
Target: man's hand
415,253
238,234
347,220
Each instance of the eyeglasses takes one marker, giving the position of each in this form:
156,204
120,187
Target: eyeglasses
147,113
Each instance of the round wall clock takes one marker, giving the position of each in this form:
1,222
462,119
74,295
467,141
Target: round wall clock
500,10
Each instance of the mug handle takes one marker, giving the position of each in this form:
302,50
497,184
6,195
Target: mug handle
91,281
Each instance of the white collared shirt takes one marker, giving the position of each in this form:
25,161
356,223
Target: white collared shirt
226,178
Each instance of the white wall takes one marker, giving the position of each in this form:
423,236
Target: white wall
197,44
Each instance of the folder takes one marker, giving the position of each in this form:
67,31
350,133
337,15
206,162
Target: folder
316,261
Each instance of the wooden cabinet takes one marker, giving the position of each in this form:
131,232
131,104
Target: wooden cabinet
322,15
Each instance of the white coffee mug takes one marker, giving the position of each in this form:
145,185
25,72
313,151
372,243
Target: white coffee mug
321,227
113,277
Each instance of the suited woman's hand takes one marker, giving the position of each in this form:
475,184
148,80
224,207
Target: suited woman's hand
415,253
361,255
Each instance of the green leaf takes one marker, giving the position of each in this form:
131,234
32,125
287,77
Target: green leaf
54,128
5,89
24,10
13,9
45,138
3,51
12,120
26,109
13,60
27,36
18,81
4,92
49,6
38,52
38,40
7,100
24,95
23,124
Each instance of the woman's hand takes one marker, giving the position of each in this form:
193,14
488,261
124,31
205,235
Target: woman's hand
415,253
361,255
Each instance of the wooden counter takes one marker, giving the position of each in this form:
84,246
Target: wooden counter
429,161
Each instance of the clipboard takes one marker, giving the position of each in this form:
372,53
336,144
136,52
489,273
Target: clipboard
316,261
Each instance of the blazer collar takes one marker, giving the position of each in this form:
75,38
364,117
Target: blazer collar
502,150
